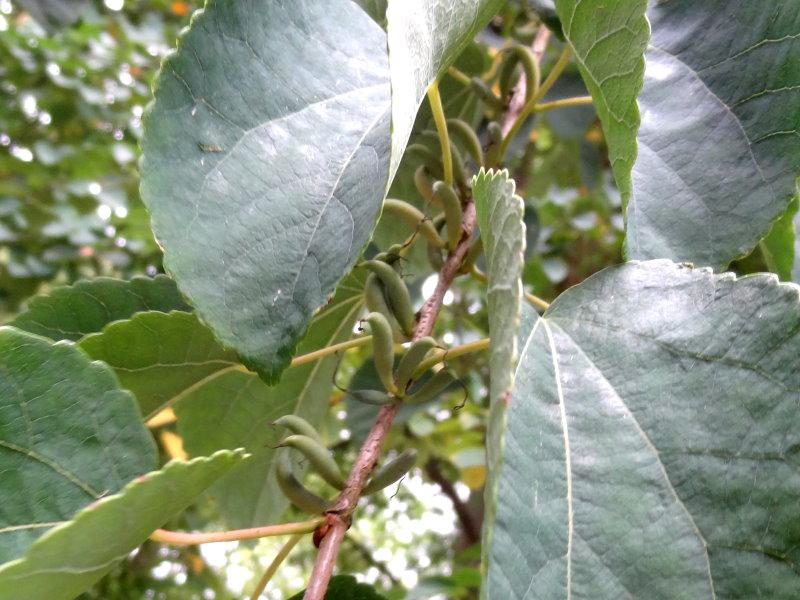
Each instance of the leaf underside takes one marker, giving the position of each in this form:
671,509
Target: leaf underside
719,149
265,162
652,442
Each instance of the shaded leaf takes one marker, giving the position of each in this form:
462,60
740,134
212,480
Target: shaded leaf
173,360
71,557
652,441
608,38
345,587
425,37
71,312
68,436
500,219
265,163
778,246
718,144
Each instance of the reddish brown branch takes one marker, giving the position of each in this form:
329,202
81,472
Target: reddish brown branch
517,101
470,526
341,513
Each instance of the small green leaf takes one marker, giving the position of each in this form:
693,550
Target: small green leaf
652,442
173,360
265,162
70,557
71,312
68,436
718,145
345,587
500,219
608,38
425,37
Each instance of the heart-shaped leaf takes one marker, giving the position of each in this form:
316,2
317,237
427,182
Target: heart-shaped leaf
266,157
173,360
652,442
71,312
68,436
69,558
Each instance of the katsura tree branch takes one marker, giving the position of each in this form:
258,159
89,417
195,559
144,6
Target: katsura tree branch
180,538
470,525
340,514
517,101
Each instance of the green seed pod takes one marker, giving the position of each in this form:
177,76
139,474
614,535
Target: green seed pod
452,212
427,157
475,250
295,492
414,217
397,295
495,134
299,426
485,93
468,138
373,397
424,183
435,257
433,387
411,359
375,299
458,162
319,457
519,54
391,472
382,348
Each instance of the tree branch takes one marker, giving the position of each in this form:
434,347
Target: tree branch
517,101
469,524
340,514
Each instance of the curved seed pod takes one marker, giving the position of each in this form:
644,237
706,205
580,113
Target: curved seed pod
424,183
507,66
433,387
452,212
373,397
299,426
414,217
468,138
375,299
495,134
295,492
458,161
519,54
410,361
397,296
319,457
485,93
391,471
382,347
475,250
427,157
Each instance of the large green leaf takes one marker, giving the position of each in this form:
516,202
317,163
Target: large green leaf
71,312
68,435
500,213
266,156
161,357
173,360
718,145
608,38
71,557
652,442
425,37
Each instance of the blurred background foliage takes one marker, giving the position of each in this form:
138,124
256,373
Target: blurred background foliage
75,79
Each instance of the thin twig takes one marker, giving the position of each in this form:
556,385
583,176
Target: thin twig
273,566
340,514
470,526
180,538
